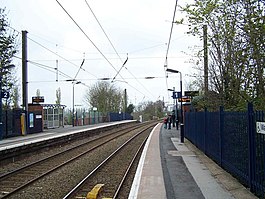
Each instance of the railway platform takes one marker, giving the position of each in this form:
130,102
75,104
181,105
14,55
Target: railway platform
170,169
18,141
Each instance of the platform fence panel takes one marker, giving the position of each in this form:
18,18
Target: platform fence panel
232,141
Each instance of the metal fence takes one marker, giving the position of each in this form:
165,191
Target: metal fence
97,117
231,140
11,122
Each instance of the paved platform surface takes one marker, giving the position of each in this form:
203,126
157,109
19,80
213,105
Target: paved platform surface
47,134
170,169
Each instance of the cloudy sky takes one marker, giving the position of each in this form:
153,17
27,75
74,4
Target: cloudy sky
139,29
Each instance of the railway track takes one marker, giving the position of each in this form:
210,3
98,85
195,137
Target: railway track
108,177
17,180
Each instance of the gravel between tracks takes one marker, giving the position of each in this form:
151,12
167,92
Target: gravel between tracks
37,155
57,184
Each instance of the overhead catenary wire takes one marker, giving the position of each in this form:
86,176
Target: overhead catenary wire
169,40
86,35
79,68
45,67
94,44
123,65
49,68
60,56
98,58
103,30
171,30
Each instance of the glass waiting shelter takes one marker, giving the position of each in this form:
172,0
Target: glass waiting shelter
53,115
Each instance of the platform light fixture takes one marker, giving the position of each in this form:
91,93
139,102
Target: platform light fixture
181,108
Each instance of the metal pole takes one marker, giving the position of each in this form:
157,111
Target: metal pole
1,122
174,107
73,116
181,112
181,108
94,117
25,76
205,58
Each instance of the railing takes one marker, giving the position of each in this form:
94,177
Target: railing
231,140
11,122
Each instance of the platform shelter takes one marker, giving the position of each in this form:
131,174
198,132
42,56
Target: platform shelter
53,115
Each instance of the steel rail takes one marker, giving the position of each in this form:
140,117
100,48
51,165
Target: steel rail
71,193
128,169
60,165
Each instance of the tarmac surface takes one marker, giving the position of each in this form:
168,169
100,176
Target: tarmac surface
170,169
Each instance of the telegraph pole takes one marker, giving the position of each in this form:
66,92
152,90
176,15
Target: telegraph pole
125,102
25,77
205,47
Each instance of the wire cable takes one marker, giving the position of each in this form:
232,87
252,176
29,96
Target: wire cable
60,56
49,68
169,40
123,65
171,29
103,29
86,35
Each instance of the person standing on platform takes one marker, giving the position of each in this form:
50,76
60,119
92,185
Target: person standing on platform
165,122
169,121
173,118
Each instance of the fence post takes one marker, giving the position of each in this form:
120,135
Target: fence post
251,146
221,131
205,128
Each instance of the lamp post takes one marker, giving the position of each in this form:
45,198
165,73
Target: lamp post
2,95
181,109
95,109
73,118
74,82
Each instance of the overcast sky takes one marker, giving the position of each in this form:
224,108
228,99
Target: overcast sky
139,28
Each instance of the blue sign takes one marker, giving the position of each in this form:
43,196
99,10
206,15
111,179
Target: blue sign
179,95
174,95
5,94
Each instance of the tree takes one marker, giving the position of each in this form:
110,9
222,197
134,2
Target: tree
7,51
58,96
130,109
105,96
236,48
149,110
15,97
38,92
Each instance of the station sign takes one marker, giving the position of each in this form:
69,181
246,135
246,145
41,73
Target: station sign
5,94
38,99
191,93
184,99
260,127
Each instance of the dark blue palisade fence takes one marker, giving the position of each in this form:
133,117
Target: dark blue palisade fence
231,140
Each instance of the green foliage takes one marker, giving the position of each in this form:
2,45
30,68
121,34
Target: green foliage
236,46
105,96
58,96
150,110
7,51
130,109
38,92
